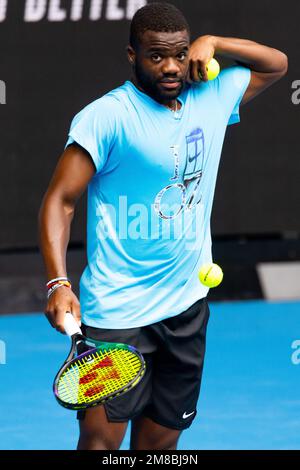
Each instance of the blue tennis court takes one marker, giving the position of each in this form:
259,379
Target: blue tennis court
249,398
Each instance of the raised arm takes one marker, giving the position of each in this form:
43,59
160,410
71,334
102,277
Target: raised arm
70,179
267,65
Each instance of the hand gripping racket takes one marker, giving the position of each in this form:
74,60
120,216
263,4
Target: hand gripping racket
95,371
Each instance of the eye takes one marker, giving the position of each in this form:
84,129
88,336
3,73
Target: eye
182,56
156,57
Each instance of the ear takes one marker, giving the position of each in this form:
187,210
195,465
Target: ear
131,55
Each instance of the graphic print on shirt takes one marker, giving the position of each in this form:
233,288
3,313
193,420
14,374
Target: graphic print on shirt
176,197
195,152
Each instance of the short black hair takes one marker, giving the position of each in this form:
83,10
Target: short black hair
158,17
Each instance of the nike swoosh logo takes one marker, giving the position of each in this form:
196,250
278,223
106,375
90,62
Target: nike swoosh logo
187,415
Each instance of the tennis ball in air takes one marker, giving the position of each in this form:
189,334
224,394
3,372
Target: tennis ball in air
211,275
213,69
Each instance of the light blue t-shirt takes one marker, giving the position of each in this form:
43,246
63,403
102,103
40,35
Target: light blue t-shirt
150,200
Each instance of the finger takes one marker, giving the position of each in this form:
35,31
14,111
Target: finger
50,317
195,72
60,318
188,77
203,72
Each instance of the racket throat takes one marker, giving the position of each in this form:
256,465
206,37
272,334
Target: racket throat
81,346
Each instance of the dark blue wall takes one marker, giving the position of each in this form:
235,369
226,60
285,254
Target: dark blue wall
52,69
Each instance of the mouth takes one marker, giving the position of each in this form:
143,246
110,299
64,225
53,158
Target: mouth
170,85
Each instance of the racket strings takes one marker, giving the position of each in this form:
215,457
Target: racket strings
97,375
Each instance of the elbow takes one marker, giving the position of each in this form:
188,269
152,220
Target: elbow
284,64
55,205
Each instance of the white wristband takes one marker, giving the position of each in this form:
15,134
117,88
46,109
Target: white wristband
50,291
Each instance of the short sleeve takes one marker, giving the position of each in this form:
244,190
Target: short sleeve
230,87
94,129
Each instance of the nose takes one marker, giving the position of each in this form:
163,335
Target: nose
170,66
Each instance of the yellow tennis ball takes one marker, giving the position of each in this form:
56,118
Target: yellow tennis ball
211,275
213,69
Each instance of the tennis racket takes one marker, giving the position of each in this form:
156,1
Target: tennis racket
94,371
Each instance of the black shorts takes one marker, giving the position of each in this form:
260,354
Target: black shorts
174,352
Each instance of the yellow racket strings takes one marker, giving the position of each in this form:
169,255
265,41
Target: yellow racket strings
97,375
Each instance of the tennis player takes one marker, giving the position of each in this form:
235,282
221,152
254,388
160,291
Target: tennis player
148,153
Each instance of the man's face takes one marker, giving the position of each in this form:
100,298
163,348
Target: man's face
161,64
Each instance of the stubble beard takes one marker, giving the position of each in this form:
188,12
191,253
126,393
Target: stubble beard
151,87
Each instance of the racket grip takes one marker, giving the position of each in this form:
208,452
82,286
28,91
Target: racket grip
71,326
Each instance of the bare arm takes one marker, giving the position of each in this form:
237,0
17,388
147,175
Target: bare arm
267,64
71,177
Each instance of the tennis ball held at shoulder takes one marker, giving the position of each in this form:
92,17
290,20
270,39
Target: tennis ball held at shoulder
210,275
213,69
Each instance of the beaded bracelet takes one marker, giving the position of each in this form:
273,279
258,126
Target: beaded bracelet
57,279
62,283
56,283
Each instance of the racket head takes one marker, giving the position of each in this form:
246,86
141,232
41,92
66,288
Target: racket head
98,375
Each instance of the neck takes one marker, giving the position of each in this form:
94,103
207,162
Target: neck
173,104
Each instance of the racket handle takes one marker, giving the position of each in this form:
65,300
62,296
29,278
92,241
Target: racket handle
71,326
